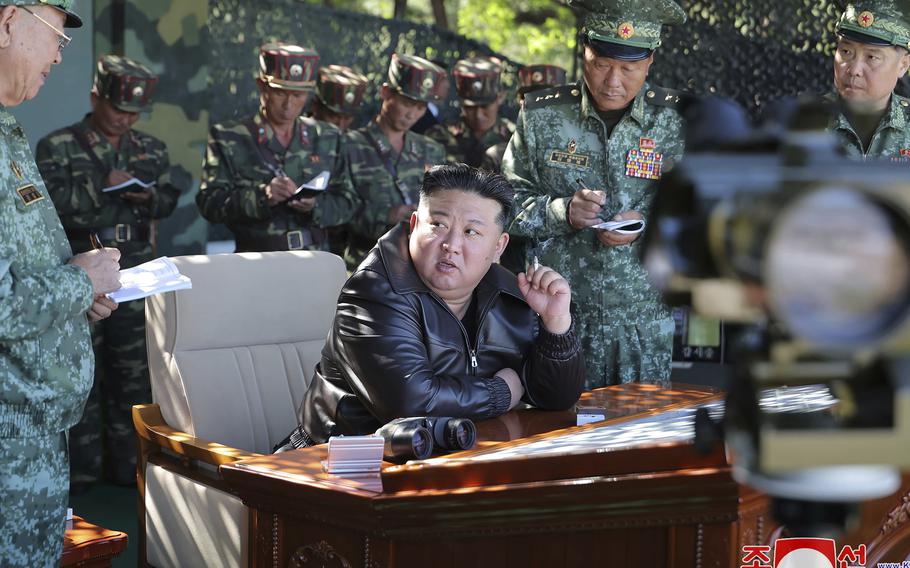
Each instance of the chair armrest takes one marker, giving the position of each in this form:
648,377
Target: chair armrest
150,426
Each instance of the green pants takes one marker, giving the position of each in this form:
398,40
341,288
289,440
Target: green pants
103,443
622,348
34,485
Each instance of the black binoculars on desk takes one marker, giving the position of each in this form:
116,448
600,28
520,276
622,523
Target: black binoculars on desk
414,438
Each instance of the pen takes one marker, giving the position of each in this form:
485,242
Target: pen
96,242
582,185
536,263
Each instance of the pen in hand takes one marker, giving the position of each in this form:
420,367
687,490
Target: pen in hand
96,242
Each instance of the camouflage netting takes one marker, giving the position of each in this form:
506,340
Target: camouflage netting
754,51
365,43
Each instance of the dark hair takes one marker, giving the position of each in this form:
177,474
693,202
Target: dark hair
463,177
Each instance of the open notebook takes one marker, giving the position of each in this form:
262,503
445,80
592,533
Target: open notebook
152,277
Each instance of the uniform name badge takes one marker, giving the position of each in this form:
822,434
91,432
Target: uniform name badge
570,157
644,162
903,157
29,194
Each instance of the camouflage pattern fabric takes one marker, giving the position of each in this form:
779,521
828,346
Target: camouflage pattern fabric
232,190
171,38
34,487
46,363
377,191
626,331
66,6
121,372
892,139
127,84
631,23
886,20
463,147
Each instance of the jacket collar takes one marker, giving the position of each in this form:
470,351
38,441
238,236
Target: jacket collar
894,116
396,259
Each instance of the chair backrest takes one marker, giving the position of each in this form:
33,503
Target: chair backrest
231,359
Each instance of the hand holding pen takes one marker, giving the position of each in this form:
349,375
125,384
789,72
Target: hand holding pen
586,207
102,266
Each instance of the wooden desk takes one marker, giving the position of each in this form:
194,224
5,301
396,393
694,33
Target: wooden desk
87,545
651,504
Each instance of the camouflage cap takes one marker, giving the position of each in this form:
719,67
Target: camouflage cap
288,66
341,89
478,80
877,22
627,29
126,83
65,6
417,78
535,77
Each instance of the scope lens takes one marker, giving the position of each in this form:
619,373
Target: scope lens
836,268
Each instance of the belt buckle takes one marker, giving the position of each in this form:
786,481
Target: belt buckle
295,240
123,232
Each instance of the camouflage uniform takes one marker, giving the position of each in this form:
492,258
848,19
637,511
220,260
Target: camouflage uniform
478,82
877,22
626,331
243,157
75,163
339,95
891,140
530,78
340,91
371,159
46,361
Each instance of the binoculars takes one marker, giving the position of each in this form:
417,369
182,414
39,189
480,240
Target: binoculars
414,438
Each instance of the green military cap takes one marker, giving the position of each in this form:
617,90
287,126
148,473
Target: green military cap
65,6
287,66
877,22
536,77
341,89
126,83
417,78
627,29
478,80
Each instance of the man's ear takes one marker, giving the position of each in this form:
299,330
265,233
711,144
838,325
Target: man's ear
7,16
412,222
501,245
904,63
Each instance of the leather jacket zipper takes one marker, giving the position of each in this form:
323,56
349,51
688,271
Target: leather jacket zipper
472,365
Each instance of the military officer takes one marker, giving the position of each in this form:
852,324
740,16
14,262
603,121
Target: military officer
339,95
530,78
78,162
386,160
478,82
46,360
254,167
873,39
591,152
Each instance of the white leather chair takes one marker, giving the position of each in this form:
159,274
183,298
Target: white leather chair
230,360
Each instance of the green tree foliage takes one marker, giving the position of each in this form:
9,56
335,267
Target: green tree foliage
529,31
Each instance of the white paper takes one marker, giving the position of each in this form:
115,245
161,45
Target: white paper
620,226
152,277
318,183
132,181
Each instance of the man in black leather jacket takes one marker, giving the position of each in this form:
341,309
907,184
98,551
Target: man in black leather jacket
429,325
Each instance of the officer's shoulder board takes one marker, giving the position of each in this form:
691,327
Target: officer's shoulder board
662,96
565,94
904,103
